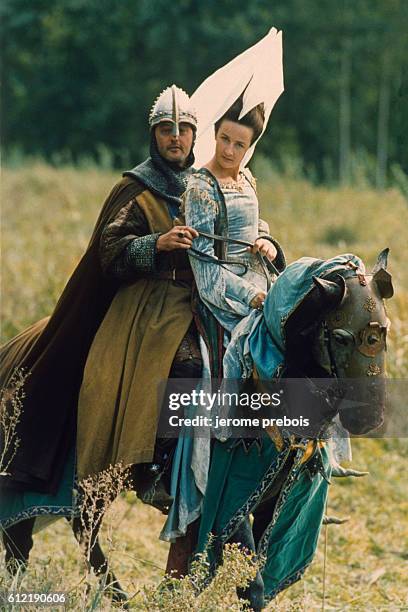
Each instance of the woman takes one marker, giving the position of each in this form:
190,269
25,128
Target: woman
221,199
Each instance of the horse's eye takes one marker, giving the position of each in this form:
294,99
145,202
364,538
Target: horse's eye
342,337
341,340
372,339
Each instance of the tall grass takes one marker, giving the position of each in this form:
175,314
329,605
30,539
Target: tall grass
47,218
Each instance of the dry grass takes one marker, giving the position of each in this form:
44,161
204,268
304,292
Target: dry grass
48,216
11,404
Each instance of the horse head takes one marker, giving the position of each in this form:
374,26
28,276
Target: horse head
339,330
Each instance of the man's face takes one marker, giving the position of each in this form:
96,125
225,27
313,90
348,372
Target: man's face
172,148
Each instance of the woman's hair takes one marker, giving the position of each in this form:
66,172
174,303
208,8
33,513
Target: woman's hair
253,119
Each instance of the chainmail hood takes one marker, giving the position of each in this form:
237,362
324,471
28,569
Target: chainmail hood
165,179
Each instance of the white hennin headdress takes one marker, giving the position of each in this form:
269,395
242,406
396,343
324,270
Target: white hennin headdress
174,105
258,72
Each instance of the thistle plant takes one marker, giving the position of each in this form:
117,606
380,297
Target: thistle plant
96,494
11,407
200,590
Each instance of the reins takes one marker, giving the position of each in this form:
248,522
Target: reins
267,266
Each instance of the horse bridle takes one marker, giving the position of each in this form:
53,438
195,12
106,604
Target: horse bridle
330,368
374,329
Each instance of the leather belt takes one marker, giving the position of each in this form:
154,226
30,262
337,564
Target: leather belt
174,275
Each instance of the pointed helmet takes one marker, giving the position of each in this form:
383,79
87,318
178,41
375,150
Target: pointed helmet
173,104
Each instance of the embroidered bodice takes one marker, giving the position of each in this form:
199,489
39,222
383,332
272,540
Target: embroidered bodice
227,290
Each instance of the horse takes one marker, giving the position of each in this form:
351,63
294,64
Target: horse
337,331
336,334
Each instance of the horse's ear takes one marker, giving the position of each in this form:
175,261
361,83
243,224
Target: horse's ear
324,296
331,293
381,276
383,280
382,261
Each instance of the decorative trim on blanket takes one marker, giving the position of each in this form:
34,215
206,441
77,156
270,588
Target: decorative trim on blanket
284,492
256,497
287,583
39,511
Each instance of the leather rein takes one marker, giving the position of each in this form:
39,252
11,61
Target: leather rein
267,266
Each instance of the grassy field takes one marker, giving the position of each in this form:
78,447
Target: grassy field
48,216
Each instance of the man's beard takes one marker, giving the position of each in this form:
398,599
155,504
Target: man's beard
176,166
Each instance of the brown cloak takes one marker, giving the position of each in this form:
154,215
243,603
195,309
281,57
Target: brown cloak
131,355
54,351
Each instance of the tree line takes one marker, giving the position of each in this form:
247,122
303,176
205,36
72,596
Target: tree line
79,76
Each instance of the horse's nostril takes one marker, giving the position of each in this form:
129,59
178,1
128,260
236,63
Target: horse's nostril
361,426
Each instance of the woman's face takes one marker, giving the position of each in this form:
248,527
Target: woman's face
232,141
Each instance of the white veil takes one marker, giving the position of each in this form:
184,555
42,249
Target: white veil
259,69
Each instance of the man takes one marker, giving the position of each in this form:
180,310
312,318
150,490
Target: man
137,260
147,334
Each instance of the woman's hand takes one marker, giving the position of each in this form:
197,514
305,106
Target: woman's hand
179,237
265,247
258,301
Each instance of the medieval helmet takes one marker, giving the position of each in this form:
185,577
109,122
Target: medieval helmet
173,104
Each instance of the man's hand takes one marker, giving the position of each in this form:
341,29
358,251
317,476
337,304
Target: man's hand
265,247
258,301
179,237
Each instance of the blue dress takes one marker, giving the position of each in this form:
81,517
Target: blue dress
227,291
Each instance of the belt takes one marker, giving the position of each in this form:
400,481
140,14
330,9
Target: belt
175,275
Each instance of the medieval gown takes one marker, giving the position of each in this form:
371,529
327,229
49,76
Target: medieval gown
226,291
